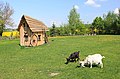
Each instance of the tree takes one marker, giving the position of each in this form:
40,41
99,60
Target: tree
66,29
88,29
110,23
5,16
74,20
53,30
118,23
1,26
98,24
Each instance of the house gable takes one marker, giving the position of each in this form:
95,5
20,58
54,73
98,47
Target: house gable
34,25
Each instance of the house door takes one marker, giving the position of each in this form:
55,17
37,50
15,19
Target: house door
34,40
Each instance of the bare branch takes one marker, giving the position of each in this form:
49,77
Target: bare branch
6,12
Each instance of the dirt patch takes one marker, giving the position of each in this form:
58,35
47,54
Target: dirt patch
53,74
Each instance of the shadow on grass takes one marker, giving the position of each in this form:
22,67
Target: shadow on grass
88,66
71,61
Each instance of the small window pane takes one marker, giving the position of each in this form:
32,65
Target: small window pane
39,37
26,37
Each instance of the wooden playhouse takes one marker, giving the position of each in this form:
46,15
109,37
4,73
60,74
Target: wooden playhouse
32,32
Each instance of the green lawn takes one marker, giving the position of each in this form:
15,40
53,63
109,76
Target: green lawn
47,61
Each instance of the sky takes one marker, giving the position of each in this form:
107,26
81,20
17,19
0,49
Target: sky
57,11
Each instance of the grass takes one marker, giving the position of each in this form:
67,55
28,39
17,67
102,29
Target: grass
40,62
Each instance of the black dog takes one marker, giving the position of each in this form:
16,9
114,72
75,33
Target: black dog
73,57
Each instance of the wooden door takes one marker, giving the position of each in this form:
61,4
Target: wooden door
34,40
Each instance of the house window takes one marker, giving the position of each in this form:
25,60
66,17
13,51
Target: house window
26,37
39,37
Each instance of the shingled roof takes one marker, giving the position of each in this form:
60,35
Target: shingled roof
34,25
